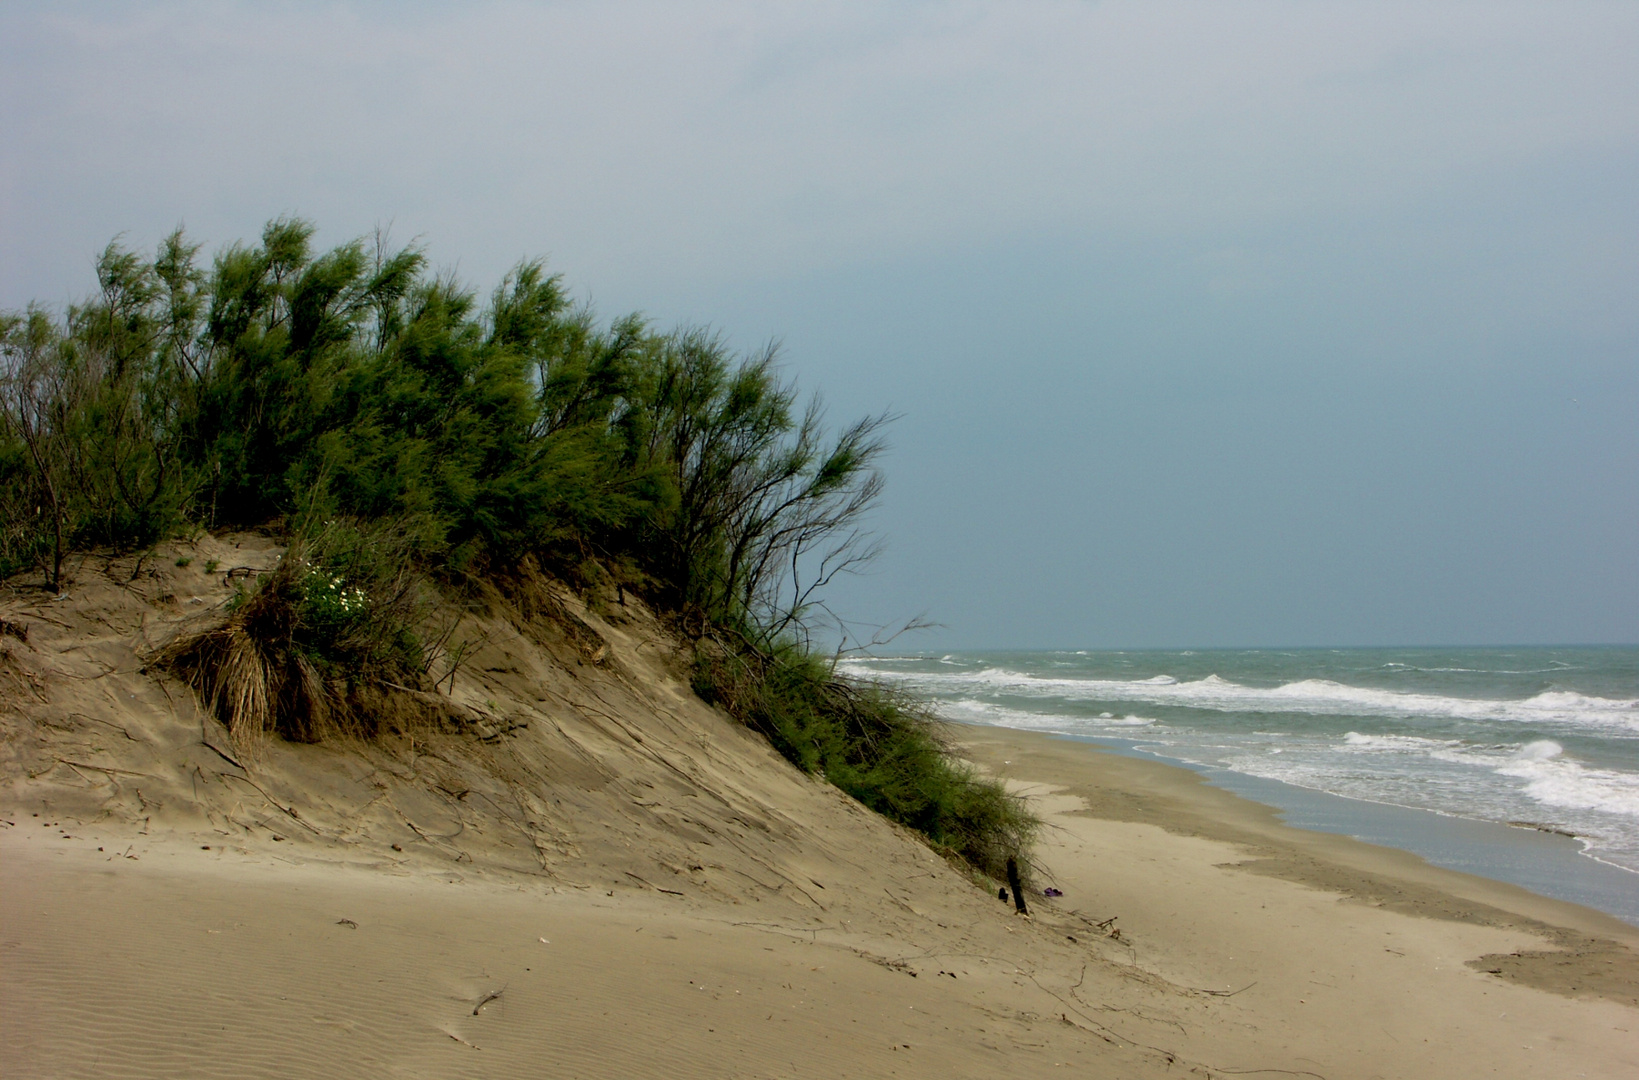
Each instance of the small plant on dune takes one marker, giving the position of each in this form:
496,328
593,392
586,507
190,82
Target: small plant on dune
329,610
316,648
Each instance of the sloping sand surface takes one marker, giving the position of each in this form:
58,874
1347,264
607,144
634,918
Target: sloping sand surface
183,966
601,876
1354,960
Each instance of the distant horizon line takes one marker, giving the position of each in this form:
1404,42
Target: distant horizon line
1261,648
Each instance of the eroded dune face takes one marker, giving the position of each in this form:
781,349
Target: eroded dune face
586,796
576,753
589,872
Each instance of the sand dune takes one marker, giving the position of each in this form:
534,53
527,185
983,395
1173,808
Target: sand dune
604,877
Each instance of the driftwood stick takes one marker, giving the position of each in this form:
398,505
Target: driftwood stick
103,769
1227,993
289,811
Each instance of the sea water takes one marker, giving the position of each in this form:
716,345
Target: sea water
1544,739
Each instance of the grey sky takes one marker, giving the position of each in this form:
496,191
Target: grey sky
1211,324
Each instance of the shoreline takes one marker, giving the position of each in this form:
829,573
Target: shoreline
1448,735
1588,951
1540,858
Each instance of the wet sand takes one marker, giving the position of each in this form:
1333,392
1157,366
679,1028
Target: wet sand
1118,788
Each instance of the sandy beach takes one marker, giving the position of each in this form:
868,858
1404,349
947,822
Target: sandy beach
1361,960
630,884
1283,954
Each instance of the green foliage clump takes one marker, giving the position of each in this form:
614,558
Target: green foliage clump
404,434
329,605
280,385
878,746
355,602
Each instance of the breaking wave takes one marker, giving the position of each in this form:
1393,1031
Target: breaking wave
1320,697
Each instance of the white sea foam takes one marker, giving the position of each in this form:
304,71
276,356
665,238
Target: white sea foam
1541,750
1397,744
1395,665
1568,785
1312,696
1554,780
1550,778
1534,781
974,711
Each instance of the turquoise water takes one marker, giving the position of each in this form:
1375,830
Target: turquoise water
1542,736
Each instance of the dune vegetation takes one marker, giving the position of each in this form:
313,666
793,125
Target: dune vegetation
415,447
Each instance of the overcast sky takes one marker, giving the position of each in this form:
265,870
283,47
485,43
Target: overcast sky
1209,324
